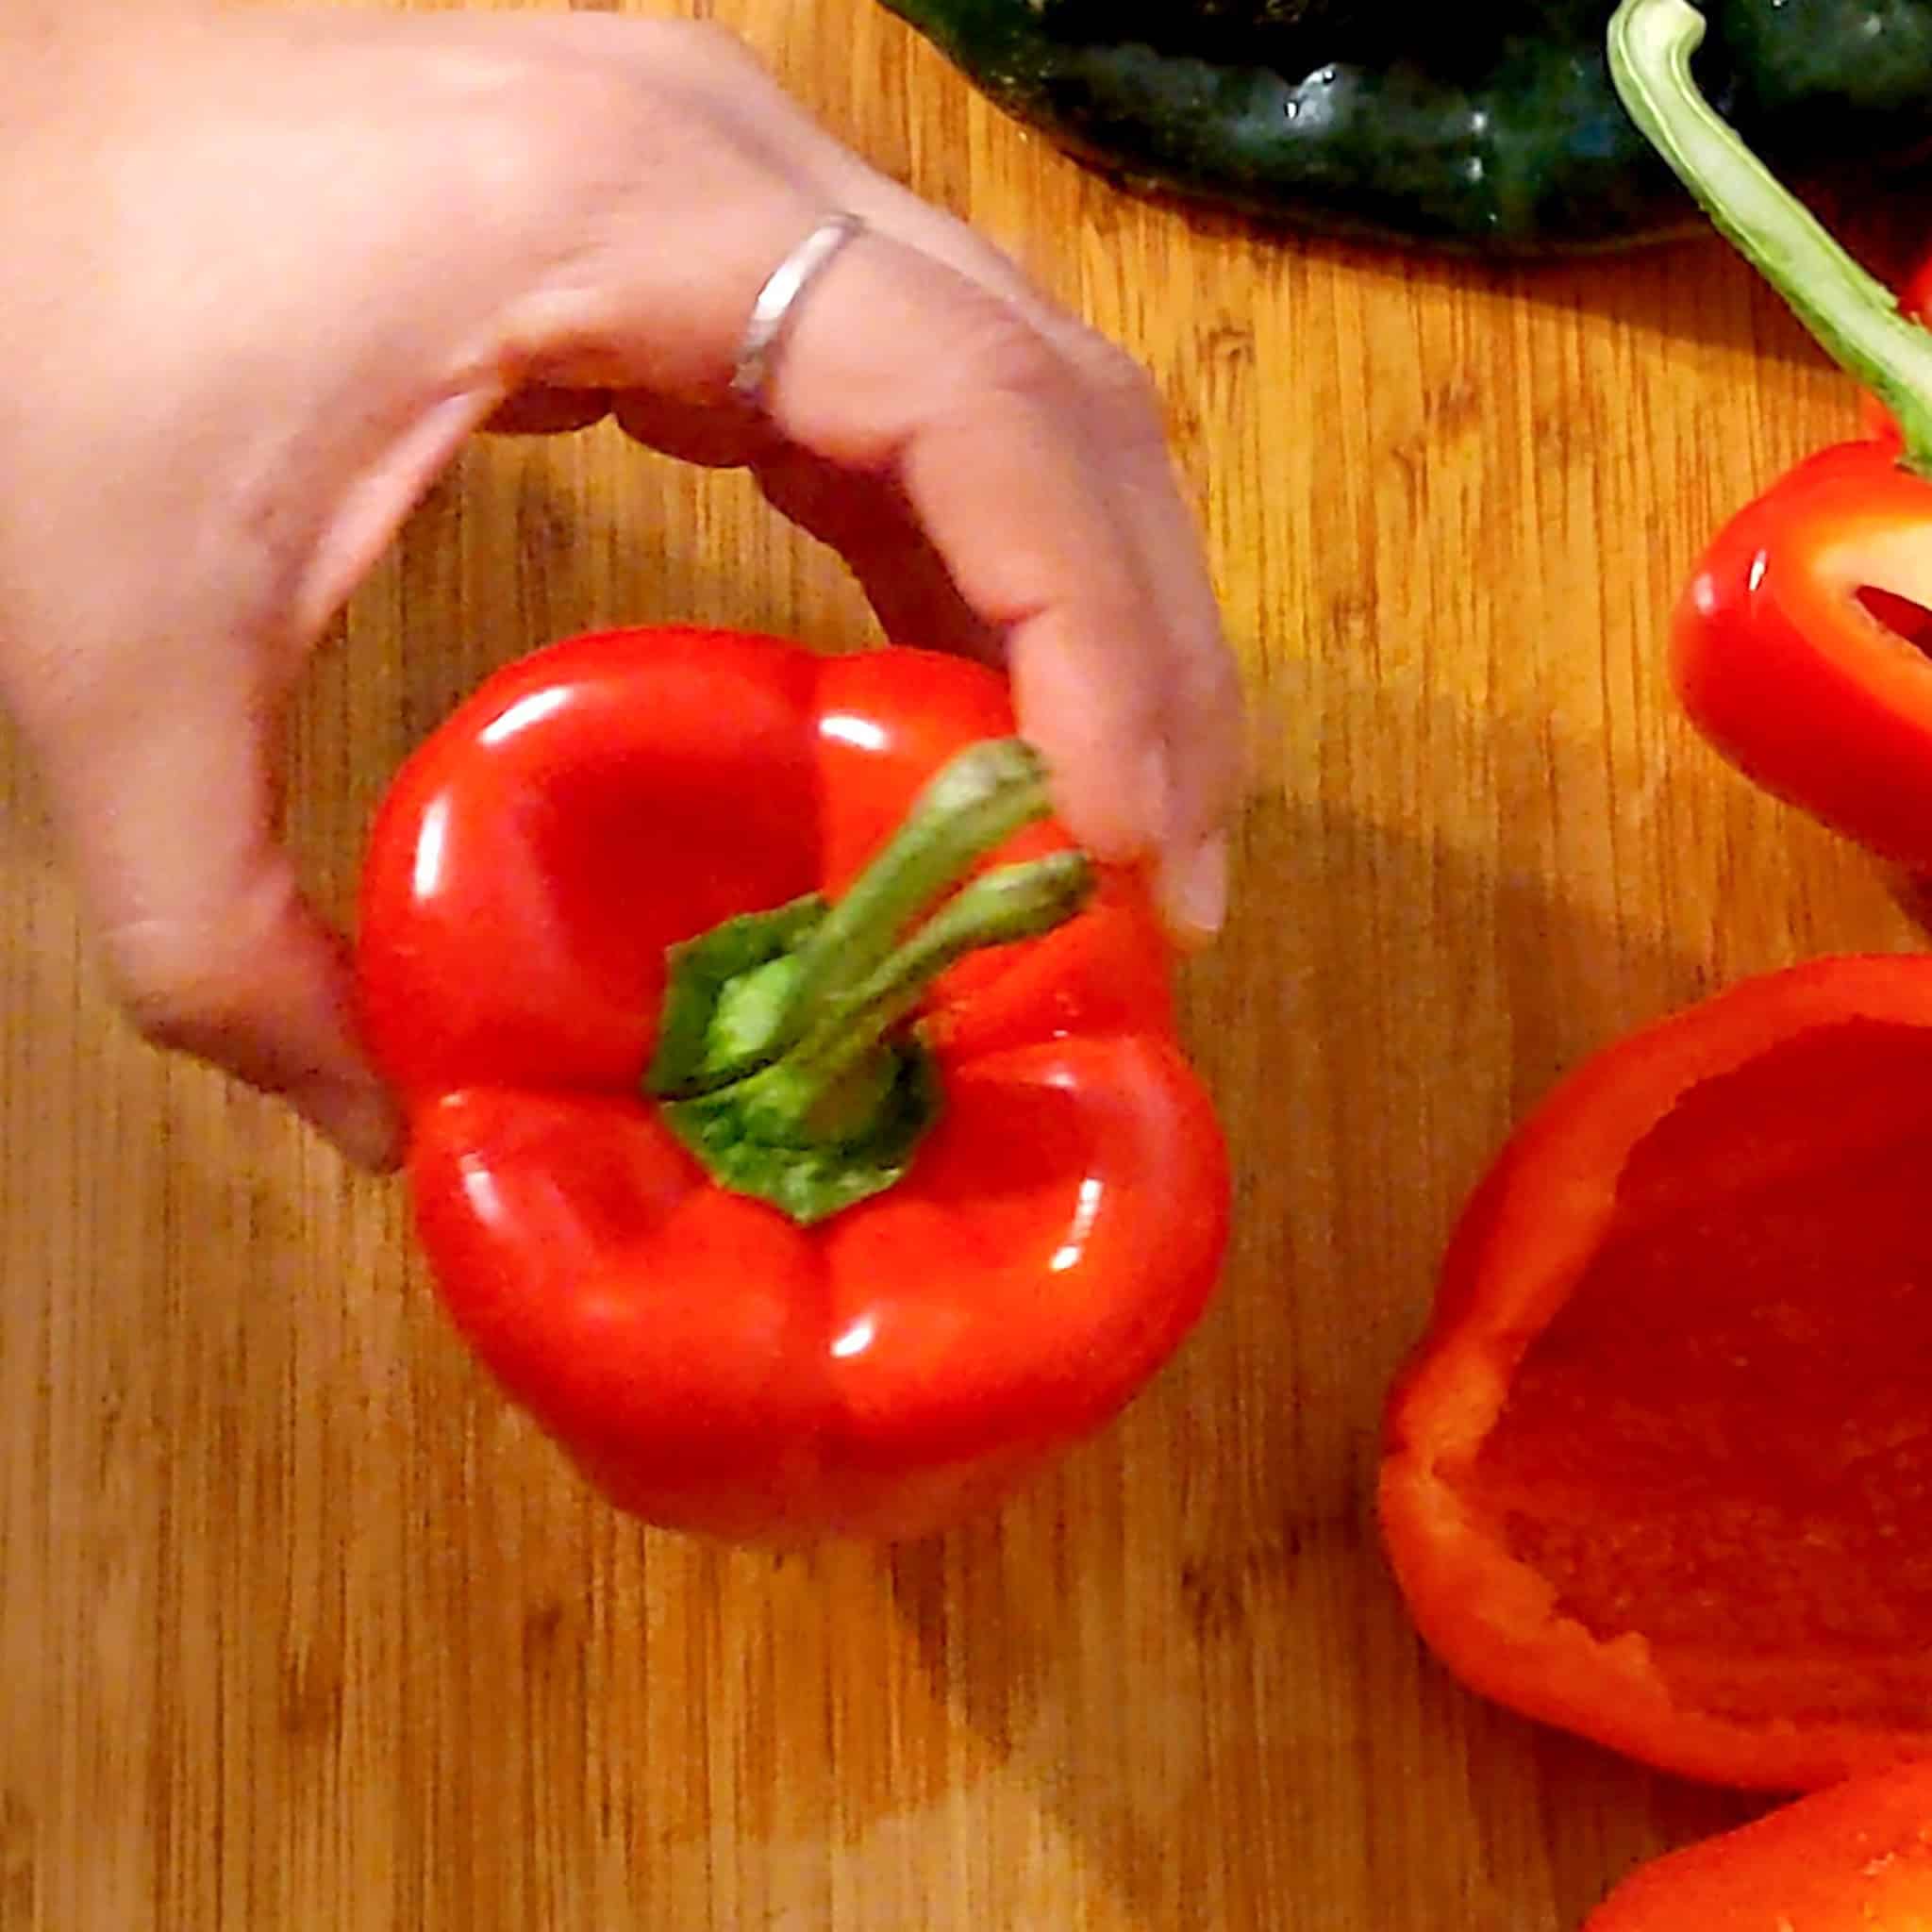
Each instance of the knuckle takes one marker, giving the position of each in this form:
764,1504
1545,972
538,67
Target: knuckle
177,1004
1125,391
710,48
201,984
1008,355
699,67
580,114
553,115
176,997
1118,375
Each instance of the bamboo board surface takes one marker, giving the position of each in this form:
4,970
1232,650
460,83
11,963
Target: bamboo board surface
300,1627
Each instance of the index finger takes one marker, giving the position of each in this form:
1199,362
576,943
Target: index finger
1029,454
1042,479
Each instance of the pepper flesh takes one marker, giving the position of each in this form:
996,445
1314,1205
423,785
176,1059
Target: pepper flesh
709,1364
1658,1471
1856,1858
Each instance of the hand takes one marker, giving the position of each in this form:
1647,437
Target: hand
266,272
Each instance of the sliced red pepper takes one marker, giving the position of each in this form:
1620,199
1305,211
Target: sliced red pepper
1855,1858
1660,1471
1800,646
711,1362
1799,652
1914,300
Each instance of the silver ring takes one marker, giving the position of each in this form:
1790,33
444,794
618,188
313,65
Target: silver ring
769,314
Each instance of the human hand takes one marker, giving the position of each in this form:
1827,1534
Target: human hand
267,272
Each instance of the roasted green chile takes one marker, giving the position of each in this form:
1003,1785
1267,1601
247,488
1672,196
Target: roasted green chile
1492,128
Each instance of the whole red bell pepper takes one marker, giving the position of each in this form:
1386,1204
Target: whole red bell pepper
1855,1858
1799,647
923,1189
1658,1469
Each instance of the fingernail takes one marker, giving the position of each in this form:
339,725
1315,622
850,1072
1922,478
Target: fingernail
360,1120
1194,891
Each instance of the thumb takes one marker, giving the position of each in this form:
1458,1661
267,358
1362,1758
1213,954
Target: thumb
168,813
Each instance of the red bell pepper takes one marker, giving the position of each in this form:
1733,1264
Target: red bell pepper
1658,1471
1915,300
1799,647
899,1220
1855,1858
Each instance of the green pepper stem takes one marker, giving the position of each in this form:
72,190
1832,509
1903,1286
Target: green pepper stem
973,805
1852,314
786,1062
1017,902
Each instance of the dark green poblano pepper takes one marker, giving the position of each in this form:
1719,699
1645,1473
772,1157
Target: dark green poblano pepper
1492,127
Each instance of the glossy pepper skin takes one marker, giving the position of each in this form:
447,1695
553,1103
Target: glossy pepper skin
1491,128
1855,1858
710,1364
1657,1471
1799,646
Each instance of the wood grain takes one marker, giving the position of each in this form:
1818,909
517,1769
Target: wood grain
300,1627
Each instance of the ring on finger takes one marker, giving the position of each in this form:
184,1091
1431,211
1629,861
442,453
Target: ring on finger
777,302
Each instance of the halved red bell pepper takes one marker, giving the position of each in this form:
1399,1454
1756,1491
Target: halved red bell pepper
1660,1470
1002,1193
1799,647
1855,1858
1914,301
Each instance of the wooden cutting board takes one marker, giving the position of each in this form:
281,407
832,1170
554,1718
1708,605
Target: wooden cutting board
299,1627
